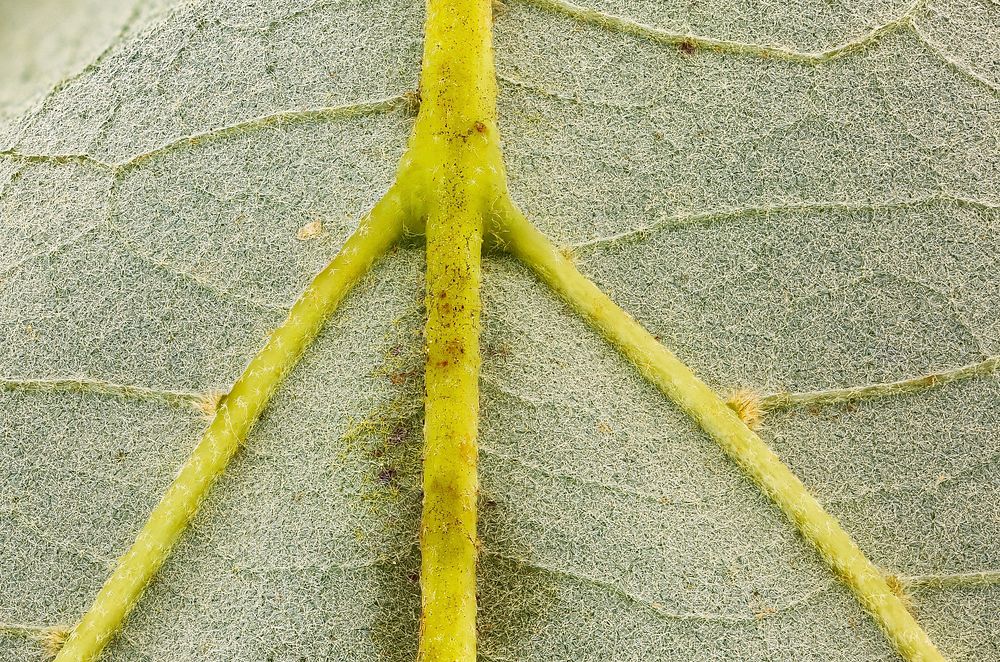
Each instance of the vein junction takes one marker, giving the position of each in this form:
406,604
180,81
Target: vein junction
451,187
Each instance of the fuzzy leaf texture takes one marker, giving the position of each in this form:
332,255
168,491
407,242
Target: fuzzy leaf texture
801,197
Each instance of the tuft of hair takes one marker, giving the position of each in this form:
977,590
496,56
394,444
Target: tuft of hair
747,406
310,230
568,253
897,586
54,638
411,102
209,403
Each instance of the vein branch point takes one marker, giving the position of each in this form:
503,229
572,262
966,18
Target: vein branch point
451,187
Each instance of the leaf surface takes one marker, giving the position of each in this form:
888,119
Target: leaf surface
781,225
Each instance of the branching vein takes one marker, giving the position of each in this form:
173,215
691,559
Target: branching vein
766,211
691,41
197,281
23,628
840,395
281,118
953,63
746,449
655,607
451,186
101,387
229,427
648,497
953,579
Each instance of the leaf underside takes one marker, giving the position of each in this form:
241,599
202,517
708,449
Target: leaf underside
782,226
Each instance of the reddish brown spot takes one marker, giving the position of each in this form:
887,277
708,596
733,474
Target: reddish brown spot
502,350
480,127
398,435
387,476
687,46
398,378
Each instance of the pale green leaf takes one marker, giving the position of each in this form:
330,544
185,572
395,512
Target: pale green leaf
783,224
